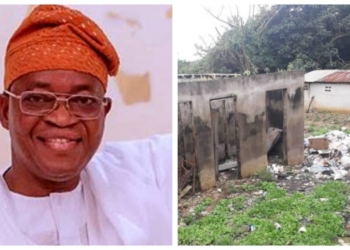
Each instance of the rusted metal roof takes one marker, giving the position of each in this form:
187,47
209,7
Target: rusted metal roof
328,76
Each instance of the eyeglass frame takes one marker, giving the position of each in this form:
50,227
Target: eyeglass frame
104,102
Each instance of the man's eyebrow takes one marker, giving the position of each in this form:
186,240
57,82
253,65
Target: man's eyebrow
36,84
83,87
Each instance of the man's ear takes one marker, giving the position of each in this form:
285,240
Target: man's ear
108,105
4,111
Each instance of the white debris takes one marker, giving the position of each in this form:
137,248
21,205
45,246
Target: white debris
335,135
219,190
278,226
269,169
342,243
318,169
323,199
258,193
318,161
275,169
340,174
230,207
345,162
204,213
281,169
182,224
302,229
343,128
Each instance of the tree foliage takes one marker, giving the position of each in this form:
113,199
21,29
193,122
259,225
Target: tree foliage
280,37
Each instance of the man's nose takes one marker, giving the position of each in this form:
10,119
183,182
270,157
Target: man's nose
60,116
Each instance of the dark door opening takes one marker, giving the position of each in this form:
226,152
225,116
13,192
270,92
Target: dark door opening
275,124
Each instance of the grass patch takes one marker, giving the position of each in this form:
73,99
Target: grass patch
197,211
314,130
265,176
249,187
229,222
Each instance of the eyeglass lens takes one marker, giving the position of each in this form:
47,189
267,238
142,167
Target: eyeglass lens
43,103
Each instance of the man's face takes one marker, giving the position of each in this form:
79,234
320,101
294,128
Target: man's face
57,146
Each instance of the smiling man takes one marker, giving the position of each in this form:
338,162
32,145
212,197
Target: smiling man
58,190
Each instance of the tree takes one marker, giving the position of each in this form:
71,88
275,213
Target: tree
303,37
286,37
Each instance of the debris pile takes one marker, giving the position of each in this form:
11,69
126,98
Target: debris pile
332,162
326,157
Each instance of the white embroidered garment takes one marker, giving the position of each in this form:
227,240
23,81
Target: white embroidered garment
59,219
124,198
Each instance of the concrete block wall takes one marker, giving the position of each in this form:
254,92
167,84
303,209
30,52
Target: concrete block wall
250,119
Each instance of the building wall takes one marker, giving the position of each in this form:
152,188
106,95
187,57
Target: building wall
142,90
250,111
336,99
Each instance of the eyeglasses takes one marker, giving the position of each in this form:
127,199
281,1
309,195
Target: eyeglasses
85,107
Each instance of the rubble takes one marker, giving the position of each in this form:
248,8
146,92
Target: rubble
332,162
345,162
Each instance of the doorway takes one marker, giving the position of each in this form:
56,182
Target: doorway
275,124
224,127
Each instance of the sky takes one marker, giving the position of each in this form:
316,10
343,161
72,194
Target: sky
195,22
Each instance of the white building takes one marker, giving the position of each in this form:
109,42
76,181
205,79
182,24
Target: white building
327,90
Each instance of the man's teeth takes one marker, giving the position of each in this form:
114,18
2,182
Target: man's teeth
58,140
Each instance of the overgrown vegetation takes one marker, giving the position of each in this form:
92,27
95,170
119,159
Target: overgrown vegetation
230,222
278,38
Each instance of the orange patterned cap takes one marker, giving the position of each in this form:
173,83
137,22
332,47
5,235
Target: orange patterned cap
55,37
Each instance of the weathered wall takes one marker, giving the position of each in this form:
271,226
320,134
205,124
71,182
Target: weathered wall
251,119
335,99
185,135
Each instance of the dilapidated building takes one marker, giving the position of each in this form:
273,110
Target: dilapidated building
227,121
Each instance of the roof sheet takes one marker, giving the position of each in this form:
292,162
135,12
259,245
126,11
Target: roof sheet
328,76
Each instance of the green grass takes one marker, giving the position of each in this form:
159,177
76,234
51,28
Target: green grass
321,130
197,211
314,130
202,206
265,176
248,187
228,223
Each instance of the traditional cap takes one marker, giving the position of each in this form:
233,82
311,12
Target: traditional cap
54,37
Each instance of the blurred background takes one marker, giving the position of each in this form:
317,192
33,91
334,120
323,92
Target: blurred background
142,90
